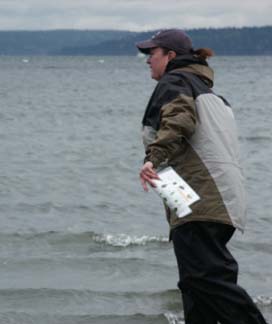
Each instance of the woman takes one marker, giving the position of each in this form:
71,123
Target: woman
190,128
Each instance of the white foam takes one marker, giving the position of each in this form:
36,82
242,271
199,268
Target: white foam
124,240
263,300
174,318
141,55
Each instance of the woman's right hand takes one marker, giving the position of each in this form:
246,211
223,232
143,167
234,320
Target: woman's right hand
147,174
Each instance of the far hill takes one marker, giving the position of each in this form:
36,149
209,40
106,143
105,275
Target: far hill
224,41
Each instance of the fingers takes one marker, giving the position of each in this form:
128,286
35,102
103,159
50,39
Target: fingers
147,175
144,185
150,173
147,179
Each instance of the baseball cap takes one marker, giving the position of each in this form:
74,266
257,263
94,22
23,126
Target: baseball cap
173,39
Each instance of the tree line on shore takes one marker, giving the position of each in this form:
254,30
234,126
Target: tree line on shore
224,41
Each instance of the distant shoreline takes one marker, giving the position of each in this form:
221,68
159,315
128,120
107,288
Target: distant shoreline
28,56
245,41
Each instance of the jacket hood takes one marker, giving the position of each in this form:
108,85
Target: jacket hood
193,64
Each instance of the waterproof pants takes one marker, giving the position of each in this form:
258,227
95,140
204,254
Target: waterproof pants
208,276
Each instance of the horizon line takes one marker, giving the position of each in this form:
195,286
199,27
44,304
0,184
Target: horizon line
130,31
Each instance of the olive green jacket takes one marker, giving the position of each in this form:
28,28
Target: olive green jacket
190,128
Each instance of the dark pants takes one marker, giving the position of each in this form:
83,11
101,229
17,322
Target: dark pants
208,276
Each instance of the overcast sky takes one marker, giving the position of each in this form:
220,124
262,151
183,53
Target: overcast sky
134,15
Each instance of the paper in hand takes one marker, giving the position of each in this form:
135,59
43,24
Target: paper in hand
175,192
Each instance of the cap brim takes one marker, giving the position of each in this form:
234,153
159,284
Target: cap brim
146,46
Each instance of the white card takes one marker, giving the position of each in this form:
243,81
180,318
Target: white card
175,192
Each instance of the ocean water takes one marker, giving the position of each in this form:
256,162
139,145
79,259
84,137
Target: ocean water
80,242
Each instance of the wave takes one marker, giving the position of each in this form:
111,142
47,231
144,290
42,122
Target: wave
54,237
72,306
81,302
24,318
174,318
35,292
169,293
256,138
44,318
124,240
172,295
44,207
263,300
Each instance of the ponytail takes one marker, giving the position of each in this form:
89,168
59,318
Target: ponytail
203,53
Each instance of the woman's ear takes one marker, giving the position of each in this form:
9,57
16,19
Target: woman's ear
171,55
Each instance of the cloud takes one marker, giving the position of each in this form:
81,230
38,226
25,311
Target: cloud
132,14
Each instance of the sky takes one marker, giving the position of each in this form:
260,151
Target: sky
133,15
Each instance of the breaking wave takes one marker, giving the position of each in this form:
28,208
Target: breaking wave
124,240
54,238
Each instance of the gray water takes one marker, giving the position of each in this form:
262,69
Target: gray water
80,242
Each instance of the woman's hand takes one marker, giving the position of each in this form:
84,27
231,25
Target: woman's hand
147,174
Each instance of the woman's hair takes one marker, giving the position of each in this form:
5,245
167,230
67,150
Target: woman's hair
203,53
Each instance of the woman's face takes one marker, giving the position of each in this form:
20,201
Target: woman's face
157,61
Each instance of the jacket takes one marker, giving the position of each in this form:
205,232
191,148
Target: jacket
187,126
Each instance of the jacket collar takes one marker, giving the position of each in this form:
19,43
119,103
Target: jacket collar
193,64
184,60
